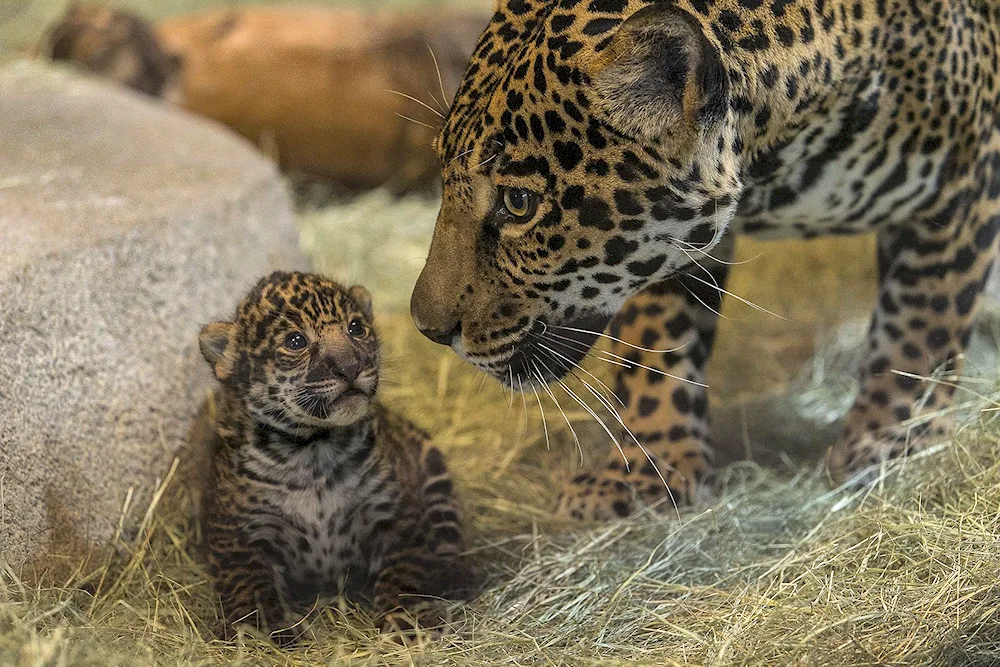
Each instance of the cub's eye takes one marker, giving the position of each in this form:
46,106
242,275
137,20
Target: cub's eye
357,328
518,203
296,342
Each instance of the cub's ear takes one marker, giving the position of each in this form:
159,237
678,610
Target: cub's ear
363,298
215,340
660,75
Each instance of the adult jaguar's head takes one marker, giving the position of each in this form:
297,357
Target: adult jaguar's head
588,153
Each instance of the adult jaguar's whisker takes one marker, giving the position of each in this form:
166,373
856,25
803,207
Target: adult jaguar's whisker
585,407
611,408
615,339
649,457
593,414
638,444
421,103
728,293
444,95
699,249
548,390
568,366
622,361
693,293
702,302
545,427
414,120
706,270
575,365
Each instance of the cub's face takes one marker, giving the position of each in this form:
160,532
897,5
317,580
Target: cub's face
301,352
585,157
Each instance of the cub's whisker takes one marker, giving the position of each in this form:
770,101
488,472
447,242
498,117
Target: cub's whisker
524,400
461,155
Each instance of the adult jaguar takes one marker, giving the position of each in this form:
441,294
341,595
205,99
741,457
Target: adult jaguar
597,149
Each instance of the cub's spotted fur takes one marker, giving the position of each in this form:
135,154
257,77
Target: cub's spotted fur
319,490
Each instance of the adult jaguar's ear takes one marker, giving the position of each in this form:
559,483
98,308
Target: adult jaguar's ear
214,341
363,298
661,75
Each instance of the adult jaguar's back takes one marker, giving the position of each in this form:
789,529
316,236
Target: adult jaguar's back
598,151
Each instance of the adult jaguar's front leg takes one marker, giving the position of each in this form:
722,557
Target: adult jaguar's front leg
662,398
932,274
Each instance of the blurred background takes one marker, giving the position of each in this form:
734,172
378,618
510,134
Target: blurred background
22,21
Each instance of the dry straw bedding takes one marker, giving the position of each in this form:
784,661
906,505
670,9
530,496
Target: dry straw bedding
778,570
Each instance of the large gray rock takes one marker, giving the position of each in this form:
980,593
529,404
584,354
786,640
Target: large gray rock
123,227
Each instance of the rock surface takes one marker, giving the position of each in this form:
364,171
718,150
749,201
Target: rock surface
124,226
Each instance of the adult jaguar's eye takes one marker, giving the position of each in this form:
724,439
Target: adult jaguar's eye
357,328
519,203
296,342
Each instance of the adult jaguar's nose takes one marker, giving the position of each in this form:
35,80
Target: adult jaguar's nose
444,291
440,336
434,317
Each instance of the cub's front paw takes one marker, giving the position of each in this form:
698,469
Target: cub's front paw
413,626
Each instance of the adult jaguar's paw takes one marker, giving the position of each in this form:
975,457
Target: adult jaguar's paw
600,497
614,493
861,459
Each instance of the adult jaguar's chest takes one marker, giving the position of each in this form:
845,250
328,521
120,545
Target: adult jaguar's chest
855,169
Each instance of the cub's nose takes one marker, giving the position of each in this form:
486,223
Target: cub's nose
349,370
346,368
440,336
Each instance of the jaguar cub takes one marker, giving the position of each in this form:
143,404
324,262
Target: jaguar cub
318,490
